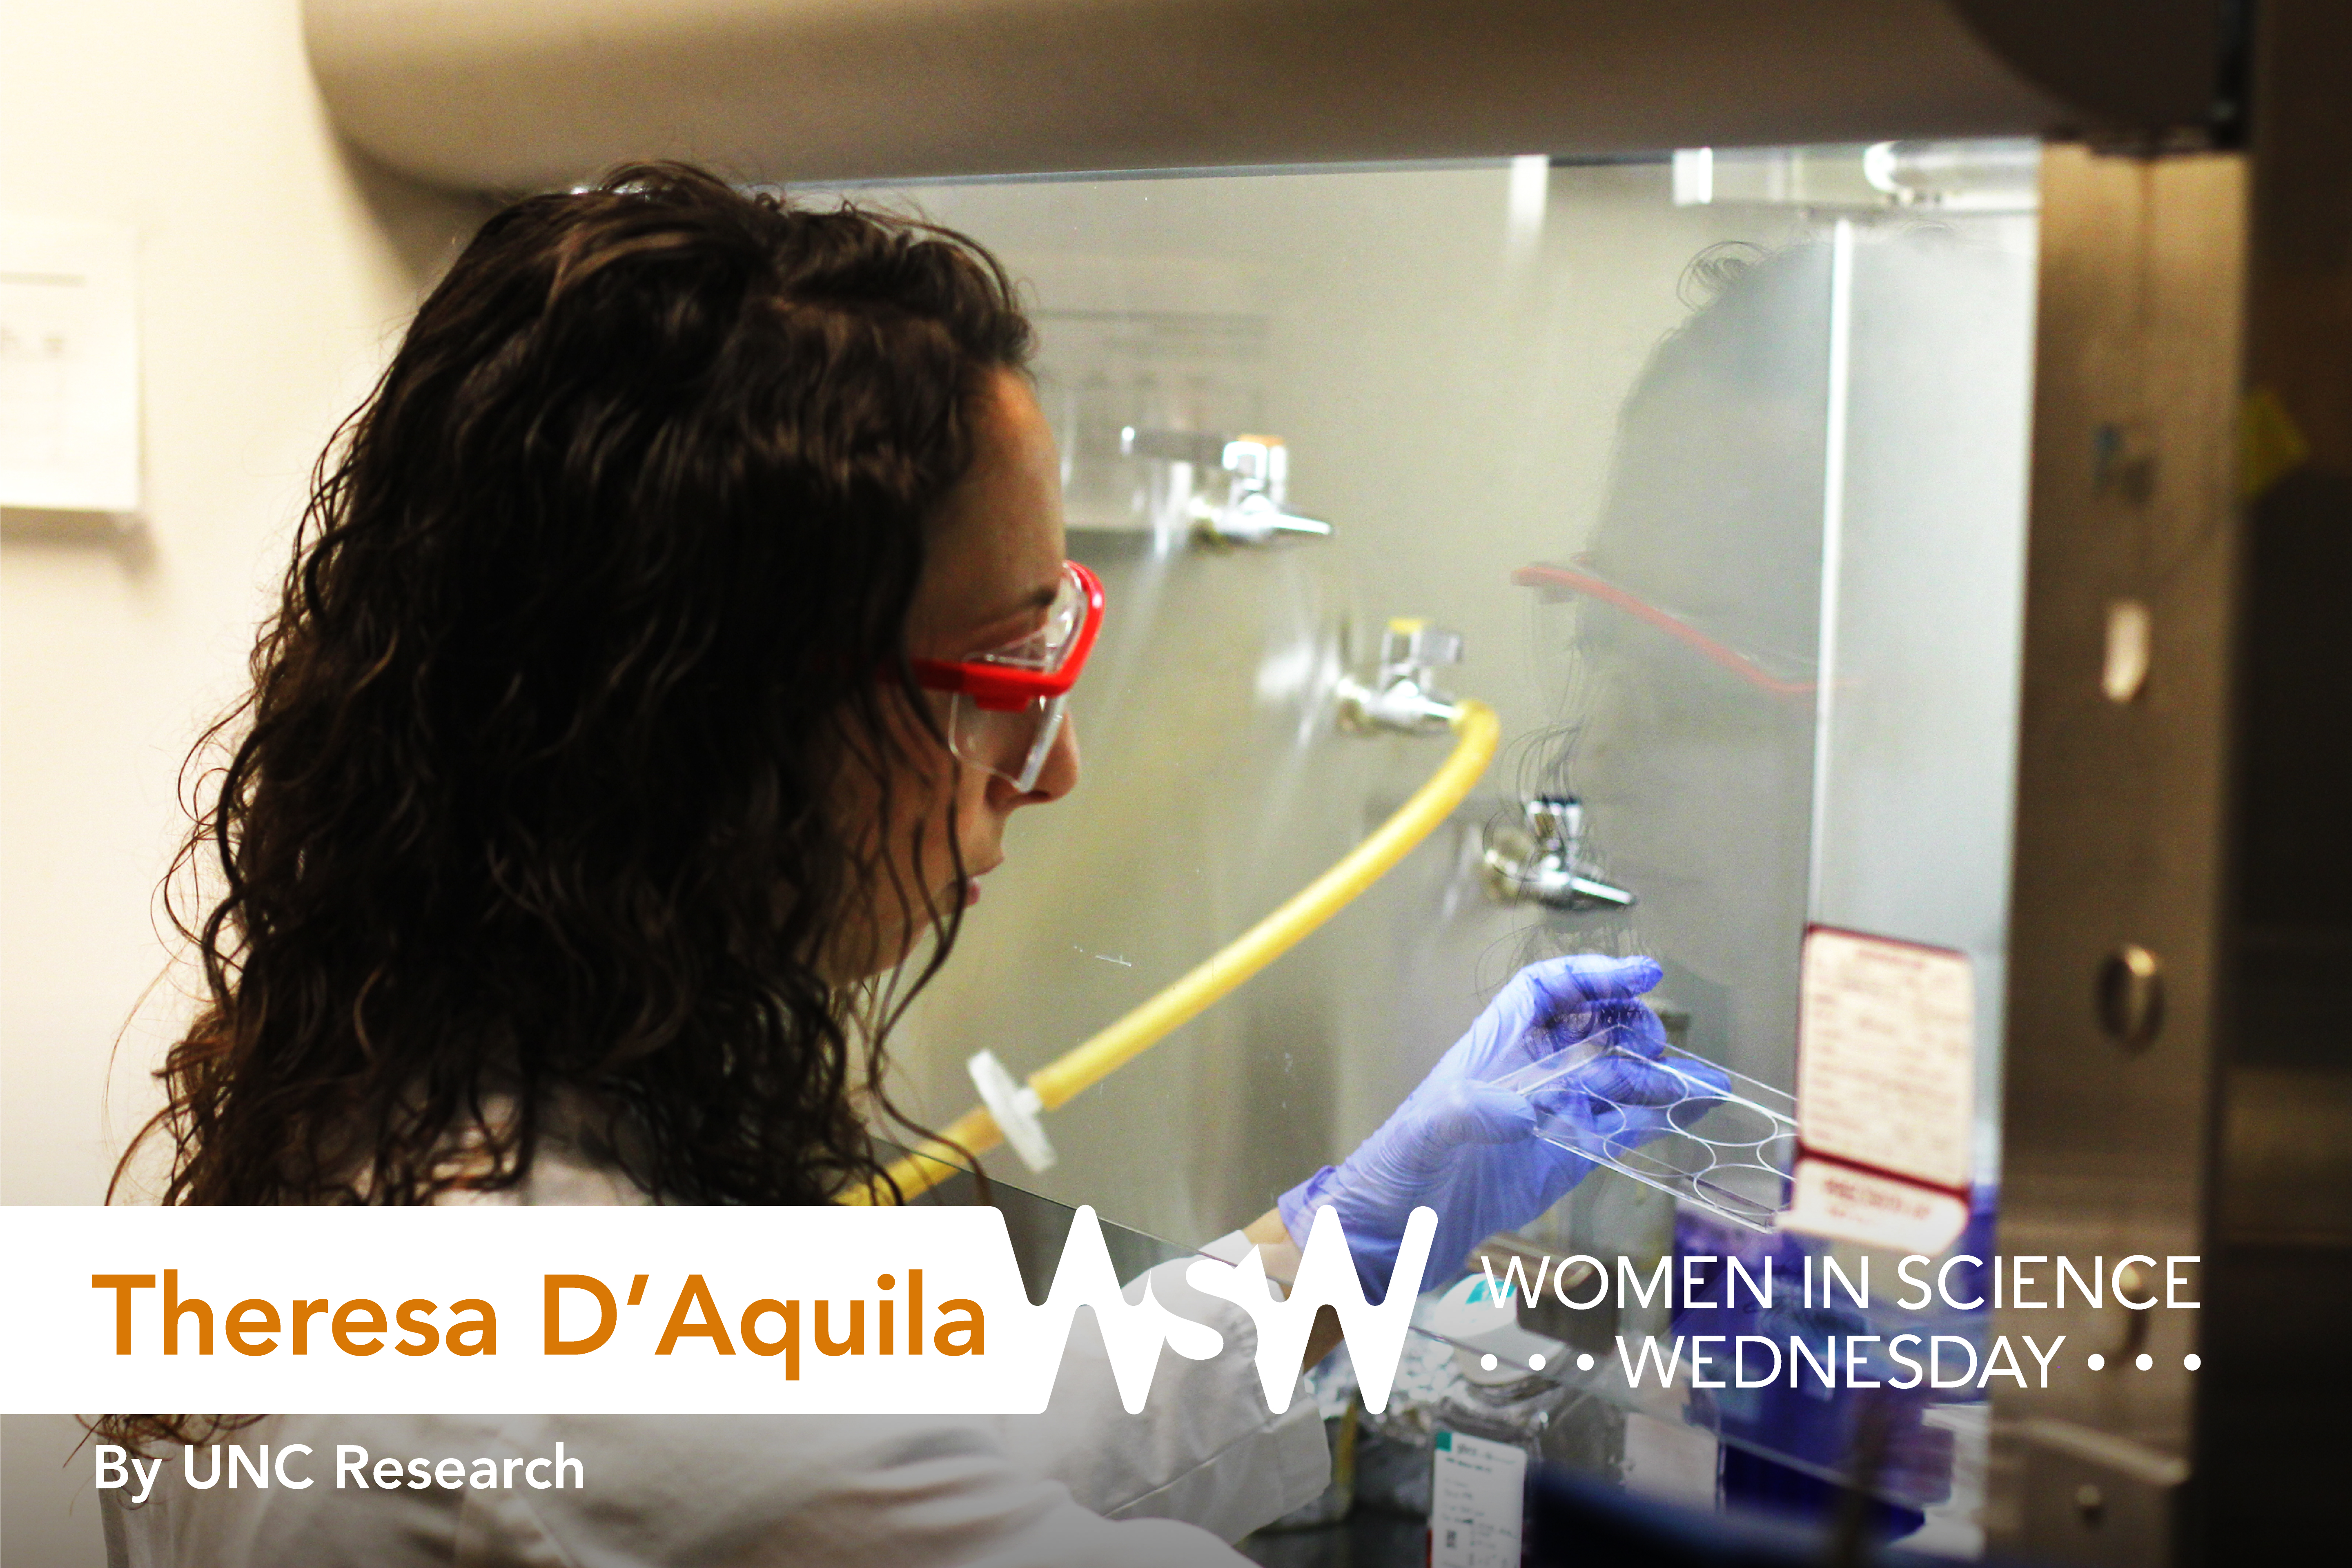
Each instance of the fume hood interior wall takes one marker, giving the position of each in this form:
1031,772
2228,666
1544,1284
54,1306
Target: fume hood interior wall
1447,366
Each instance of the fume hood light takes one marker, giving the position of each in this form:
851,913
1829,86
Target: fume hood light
1694,176
1827,177
1530,195
1984,176
1957,176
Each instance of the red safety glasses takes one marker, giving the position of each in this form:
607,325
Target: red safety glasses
1006,706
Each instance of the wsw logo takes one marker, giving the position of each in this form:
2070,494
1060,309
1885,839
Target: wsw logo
1133,1334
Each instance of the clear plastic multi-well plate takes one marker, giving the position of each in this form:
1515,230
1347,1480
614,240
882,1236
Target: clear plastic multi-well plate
1715,1139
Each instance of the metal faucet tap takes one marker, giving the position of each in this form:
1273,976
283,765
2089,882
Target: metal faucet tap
1258,470
1403,697
1540,863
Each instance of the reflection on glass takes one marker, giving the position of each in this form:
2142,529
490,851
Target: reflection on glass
1724,492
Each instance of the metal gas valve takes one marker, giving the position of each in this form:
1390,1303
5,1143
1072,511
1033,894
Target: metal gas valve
1540,863
1403,697
1258,478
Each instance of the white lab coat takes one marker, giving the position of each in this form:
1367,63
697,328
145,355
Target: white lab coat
1085,1483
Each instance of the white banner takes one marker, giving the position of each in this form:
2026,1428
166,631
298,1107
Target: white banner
478,1309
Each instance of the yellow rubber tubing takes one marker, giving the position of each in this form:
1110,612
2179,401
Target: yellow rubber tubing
1085,1066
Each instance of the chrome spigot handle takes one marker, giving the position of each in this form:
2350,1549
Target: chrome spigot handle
1541,864
1403,697
1557,821
1258,466
1411,649
1254,518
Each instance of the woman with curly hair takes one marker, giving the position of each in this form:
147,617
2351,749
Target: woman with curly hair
612,748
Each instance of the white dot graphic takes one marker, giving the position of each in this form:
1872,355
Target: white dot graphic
1486,1363
1583,1363
2192,1361
1536,1362
2098,1361
2142,1360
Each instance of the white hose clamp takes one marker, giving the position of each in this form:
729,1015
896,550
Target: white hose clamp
1016,1107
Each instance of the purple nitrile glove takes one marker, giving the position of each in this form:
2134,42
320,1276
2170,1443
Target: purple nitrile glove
1467,1147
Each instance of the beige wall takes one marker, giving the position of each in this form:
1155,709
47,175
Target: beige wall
273,272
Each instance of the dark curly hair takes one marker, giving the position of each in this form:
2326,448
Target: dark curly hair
598,602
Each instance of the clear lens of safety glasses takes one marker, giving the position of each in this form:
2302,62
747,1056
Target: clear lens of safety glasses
1047,650
1007,703
1014,744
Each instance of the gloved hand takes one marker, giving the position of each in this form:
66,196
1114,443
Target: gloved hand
1467,1147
